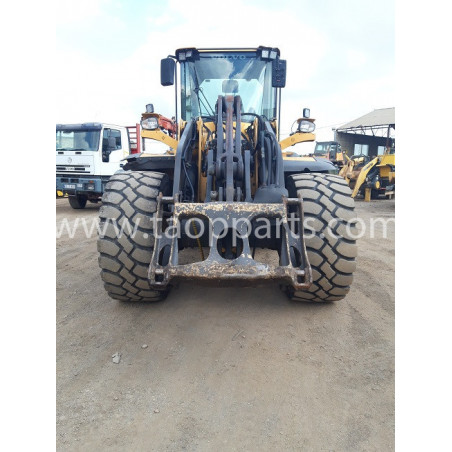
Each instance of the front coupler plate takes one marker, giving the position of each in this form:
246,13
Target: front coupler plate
213,220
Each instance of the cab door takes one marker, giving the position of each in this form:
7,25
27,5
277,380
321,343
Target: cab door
332,152
114,147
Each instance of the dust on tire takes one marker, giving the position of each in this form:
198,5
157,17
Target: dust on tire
128,205
331,235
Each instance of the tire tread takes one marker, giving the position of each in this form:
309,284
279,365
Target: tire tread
130,200
331,252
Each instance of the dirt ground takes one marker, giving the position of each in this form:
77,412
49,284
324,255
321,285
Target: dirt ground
225,369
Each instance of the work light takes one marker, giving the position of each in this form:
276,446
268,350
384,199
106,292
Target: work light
306,126
150,123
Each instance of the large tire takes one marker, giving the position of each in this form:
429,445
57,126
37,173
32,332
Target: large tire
330,235
130,199
77,201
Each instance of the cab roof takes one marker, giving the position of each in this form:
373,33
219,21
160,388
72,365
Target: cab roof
231,49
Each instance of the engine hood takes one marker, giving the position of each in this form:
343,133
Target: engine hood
308,164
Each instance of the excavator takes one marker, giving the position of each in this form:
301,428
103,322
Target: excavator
227,189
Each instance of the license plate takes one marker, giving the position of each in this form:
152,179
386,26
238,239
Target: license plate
69,186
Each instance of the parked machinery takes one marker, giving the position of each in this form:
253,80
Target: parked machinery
371,178
227,188
330,150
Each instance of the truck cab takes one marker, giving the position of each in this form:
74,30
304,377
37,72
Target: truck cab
88,154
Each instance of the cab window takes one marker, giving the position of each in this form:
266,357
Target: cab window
112,133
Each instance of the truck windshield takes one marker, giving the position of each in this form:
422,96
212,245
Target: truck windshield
202,83
77,140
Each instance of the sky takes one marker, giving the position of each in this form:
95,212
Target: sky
340,55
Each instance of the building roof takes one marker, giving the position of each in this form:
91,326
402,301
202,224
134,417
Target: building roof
381,118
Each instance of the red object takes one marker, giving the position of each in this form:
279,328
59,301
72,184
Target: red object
134,138
135,135
167,124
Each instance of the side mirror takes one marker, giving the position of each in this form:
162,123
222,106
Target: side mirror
149,108
306,112
167,71
279,73
108,145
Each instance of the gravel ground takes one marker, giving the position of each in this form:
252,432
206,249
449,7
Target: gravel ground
225,369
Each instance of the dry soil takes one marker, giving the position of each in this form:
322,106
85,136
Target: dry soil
224,369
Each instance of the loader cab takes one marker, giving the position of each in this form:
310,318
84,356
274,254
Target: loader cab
254,74
328,150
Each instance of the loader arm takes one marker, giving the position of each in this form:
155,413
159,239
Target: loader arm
160,129
363,174
229,217
348,167
295,139
158,135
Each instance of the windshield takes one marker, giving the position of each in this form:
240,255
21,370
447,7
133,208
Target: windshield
203,81
321,149
77,140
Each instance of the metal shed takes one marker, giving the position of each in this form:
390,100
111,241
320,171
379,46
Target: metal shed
369,134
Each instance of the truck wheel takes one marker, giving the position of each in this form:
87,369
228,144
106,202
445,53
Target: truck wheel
126,239
330,235
77,201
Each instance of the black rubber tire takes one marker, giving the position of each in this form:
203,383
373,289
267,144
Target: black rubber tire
77,201
130,198
331,249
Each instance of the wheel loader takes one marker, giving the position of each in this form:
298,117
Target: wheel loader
228,192
371,177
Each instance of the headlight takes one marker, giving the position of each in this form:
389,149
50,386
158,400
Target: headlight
306,126
150,123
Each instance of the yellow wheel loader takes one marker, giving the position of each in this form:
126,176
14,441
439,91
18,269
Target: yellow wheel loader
227,188
371,178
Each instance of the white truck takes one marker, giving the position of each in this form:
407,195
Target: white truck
88,154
